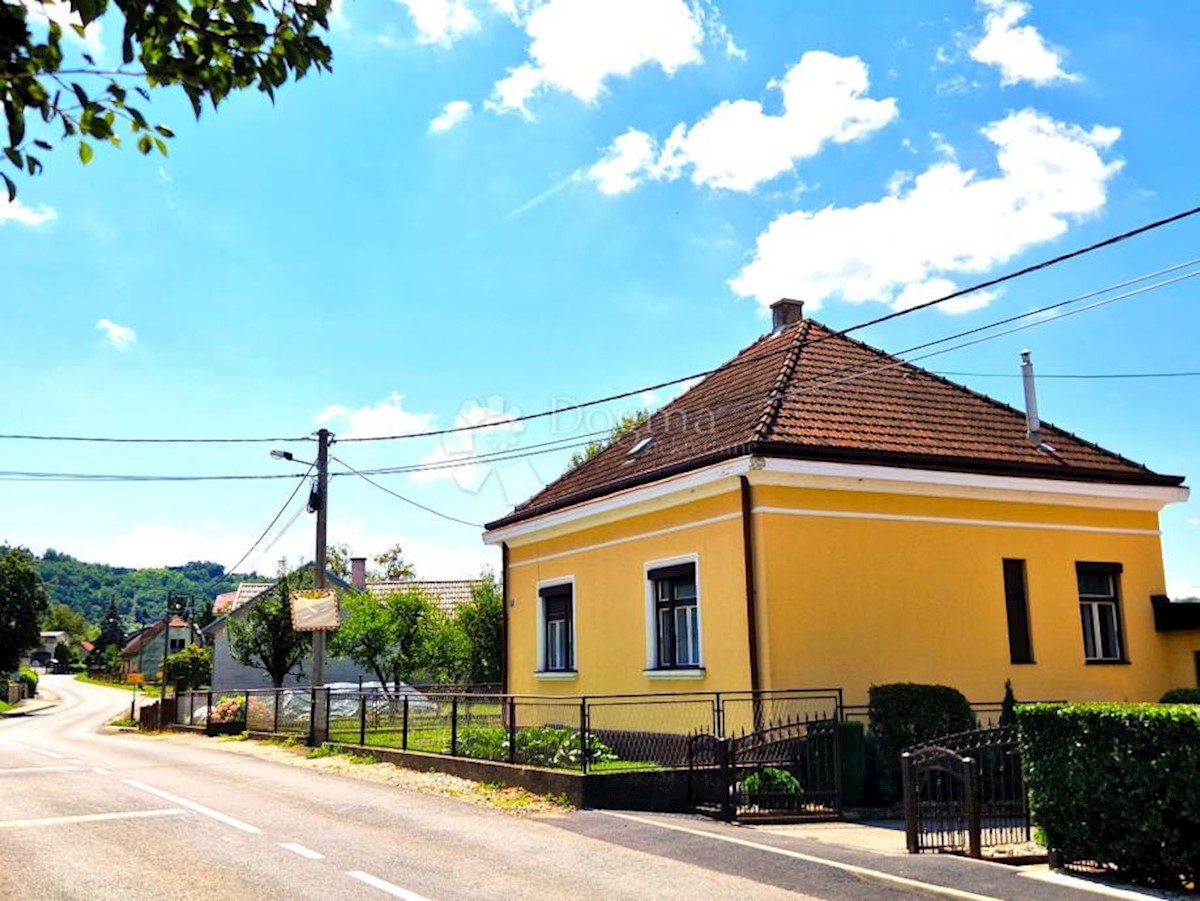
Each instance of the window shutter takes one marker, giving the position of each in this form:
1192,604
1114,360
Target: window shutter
677,571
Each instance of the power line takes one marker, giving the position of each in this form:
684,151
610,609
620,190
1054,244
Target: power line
406,500
989,283
1073,375
299,483
96,440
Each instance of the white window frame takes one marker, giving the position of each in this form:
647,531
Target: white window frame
653,670
1092,603
572,665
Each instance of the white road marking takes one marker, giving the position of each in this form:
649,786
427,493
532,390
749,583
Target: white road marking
101,770
37,750
861,872
1087,885
394,890
51,768
192,805
302,851
92,818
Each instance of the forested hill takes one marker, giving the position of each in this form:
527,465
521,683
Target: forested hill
141,594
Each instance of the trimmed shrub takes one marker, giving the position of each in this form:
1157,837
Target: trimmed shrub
30,678
1117,784
904,714
1181,696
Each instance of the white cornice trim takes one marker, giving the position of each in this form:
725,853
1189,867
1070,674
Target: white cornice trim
626,539
938,483
715,479
953,521
669,492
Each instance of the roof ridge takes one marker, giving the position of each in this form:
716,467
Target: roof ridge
778,392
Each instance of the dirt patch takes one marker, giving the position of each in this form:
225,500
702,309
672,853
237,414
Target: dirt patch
515,801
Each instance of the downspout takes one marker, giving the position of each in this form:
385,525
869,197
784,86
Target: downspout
504,617
751,597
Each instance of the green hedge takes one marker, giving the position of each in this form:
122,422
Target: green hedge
1118,784
1181,696
903,714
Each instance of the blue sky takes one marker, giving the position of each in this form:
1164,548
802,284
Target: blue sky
497,206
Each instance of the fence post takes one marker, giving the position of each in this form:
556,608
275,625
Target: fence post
911,833
312,717
512,729
583,735
404,726
362,715
724,748
718,717
207,710
246,711
837,763
974,824
454,726
278,692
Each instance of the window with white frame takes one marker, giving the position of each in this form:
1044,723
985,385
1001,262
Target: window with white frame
1100,611
676,616
558,628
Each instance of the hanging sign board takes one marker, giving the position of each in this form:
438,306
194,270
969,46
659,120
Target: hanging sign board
315,610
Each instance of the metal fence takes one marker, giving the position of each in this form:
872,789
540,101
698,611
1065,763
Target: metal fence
965,792
588,734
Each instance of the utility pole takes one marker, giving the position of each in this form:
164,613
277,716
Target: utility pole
318,638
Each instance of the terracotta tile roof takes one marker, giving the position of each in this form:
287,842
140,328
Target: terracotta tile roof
447,594
148,634
232,600
807,392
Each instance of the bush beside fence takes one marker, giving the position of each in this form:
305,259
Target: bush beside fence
1117,786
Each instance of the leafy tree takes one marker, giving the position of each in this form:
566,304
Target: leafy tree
61,618
23,603
627,423
208,48
395,637
190,668
337,559
395,566
480,622
263,637
64,655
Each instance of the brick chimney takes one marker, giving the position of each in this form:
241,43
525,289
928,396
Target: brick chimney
358,573
785,312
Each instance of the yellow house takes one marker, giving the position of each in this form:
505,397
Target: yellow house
816,513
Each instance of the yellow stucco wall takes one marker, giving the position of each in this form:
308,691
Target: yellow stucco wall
879,591
610,599
858,600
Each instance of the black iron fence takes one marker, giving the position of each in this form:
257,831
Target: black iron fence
965,792
588,734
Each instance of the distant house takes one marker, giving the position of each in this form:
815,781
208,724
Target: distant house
229,674
817,513
146,650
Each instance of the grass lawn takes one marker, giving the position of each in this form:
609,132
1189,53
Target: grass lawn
150,691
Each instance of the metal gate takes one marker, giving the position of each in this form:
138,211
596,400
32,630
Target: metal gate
965,792
783,772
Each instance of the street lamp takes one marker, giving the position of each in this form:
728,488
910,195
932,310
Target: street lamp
322,498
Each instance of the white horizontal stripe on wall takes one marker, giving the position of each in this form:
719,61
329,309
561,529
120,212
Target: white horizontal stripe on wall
953,521
616,541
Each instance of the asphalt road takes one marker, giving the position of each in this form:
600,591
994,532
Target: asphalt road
85,815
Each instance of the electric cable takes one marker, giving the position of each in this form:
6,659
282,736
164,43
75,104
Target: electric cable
407,500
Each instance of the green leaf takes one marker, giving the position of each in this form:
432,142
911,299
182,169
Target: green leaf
145,145
14,157
44,145
16,122
12,188
85,152
161,145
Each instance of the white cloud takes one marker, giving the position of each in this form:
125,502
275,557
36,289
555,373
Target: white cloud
738,146
122,337
60,12
463,447
1179,588
440,22
388,417
1018,51
453,113
15,211
576,45
946,221
629,159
